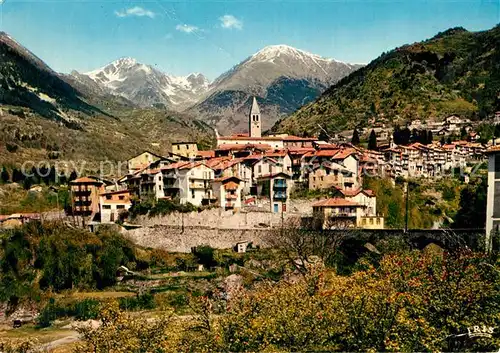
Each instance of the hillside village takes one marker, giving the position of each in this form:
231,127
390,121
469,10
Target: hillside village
251,171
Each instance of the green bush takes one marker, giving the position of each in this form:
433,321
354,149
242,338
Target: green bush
87,309
144,301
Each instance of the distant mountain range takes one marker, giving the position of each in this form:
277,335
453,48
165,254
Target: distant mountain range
455,72
284,78
146,86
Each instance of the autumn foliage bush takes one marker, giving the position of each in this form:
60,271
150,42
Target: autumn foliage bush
413,301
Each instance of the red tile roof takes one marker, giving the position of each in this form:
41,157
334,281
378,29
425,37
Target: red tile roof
206,154
268,138
336,202
86,180
238,147
344,153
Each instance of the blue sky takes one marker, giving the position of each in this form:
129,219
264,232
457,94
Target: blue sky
208,36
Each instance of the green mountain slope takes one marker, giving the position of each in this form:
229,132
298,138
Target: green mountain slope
46,116
455,72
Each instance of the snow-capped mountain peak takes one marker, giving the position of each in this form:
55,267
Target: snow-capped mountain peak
147,85
272,62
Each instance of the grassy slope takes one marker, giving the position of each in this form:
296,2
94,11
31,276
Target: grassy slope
455,72
116,138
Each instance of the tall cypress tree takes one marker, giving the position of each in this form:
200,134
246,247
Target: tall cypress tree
4,176
355,137
430,137
372,141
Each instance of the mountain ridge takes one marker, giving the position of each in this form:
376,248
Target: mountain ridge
282,77
454,72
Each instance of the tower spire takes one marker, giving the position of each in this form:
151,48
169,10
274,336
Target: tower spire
255,127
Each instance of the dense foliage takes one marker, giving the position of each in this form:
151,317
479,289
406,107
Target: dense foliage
411,301
455,72
57,257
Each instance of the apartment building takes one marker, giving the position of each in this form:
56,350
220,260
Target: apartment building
228,191
85,193
112,204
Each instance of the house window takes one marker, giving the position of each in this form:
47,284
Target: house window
260,169
106,207
121,197
108,197
120,207
159,187
192,193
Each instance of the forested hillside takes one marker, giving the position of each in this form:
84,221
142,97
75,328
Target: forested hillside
455,72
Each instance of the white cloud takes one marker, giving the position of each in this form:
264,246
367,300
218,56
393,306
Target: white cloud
135,11
186,28
230,22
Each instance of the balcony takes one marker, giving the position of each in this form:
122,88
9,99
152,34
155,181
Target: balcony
279,196
199,185
279,184
344,215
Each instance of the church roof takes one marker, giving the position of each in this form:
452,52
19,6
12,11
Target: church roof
255,107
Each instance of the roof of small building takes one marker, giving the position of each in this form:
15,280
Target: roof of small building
206,154
126,191
336,202
344,153
231,185
268,138
493,149
274,175
226,179
87,180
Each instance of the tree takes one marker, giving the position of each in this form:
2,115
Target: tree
430,137
372,141
4,176
355,137
442,141
463,133
17,176
300,246
472,211
448,140
73,176
323,136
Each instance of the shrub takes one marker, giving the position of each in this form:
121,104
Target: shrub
144,301
87,309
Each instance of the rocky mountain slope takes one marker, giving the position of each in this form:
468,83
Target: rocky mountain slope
26,81
455,72
146,86
284,78
48,116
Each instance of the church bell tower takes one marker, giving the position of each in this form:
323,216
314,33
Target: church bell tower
255,123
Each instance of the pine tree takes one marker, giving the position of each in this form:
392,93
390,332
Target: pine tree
4,176
372,142
442,140
355,137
